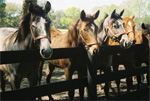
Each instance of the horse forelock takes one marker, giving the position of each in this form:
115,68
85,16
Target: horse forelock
37,10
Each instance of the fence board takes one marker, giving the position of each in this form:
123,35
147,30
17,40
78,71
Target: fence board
33,92
33,55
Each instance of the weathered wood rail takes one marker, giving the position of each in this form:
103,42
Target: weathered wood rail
90,81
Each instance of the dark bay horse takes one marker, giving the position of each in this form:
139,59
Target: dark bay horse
126,59
112,26
146,32
33,33
81,33
143,37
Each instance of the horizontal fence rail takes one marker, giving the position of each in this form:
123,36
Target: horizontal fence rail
33,55
8,57
53,88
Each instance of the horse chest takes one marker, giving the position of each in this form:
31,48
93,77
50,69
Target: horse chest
103,61
27,69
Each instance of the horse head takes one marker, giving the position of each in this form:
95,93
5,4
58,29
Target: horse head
146,32
87,31
130,28
39,28
114,28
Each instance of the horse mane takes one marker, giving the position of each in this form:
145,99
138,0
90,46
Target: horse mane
72,32
24,26
100,25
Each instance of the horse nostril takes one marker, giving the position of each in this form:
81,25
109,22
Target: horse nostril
126,44
43,51
95,51
134,41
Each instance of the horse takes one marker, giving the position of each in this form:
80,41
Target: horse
111,27
33,33
127,59
146,32
143,37
81,33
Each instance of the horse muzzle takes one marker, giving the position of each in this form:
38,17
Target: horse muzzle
46,54
125,44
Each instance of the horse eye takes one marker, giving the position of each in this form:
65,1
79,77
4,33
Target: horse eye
124,25
33,26
85,29
115,26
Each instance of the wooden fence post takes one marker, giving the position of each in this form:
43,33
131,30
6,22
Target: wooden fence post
91,74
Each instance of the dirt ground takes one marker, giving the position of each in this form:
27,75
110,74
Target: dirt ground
58,75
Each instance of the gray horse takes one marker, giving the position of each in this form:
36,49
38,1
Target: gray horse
33,33
112,27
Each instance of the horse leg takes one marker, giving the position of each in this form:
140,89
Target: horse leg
49,71
115,69
138,64
128,80
40,71
68,75
106,87
147,76
12,81
3,82
81,73
99,85
17,82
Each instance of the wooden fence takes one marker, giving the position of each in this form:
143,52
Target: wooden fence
90,81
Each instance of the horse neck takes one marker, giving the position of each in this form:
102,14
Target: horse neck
27,42
72,39
138,36
102,38
73,36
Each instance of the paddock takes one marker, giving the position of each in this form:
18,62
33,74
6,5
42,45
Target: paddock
60,85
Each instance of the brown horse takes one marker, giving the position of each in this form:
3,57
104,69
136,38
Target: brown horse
33,33
127,59
81,33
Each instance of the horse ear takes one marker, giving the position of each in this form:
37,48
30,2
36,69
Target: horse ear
132,17
121,13
82,16
30,6
113,13
143,26
95,16
48,7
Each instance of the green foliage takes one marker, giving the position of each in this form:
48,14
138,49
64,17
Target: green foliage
139,8
56,18
10,15
2,12
70,14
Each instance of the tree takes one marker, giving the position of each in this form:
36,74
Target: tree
56,18
12,16
139,8
70,14
2,12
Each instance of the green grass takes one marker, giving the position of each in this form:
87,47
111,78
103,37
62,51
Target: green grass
63,30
